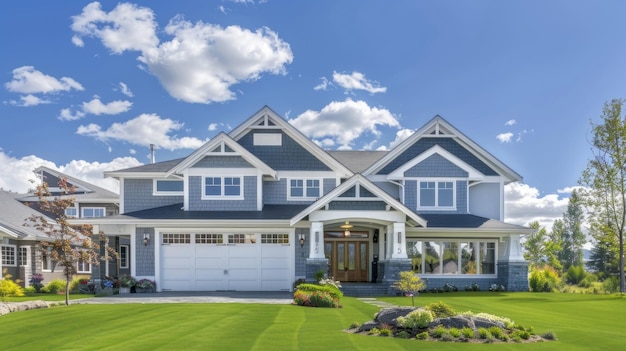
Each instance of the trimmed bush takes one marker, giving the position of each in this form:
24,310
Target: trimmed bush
323,299
544,279
416,319
54,287
329,288
9,288
422,336
438,332
440,310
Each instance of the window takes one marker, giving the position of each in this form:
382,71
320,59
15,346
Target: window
241,238
8,255
83,266
46,261
71,212
124,258
434,194
92,212
176,238
168,187
22,256
452,257
209,239
303,189
223,187
274,238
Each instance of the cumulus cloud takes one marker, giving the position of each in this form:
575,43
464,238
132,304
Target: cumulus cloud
28,80
96,107
344,121
510,122
66,114
357,81
125,89
202,61
505,137
16,173
525,204
29,100
143,130
323,85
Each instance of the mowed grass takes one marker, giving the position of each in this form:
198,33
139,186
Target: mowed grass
581,322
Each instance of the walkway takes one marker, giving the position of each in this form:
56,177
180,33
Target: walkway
263,297
373,301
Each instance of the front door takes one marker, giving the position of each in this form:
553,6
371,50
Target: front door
347,260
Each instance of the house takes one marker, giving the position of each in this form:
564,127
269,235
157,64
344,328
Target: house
263,206
20,249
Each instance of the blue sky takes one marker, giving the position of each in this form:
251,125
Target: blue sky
87,86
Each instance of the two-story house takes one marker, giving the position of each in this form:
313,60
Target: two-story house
262,206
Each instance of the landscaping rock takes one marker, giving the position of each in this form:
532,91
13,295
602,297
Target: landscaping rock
486,323
367,326
8,307
458,322
389,315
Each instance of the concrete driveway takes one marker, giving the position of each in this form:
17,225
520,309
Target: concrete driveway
265,297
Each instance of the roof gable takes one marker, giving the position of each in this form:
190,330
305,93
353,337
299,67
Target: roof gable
439,132
83,189
436,155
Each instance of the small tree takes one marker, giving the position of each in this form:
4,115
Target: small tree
409,283
69,244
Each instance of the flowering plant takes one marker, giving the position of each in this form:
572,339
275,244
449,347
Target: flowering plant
127,281
37,278
145,284
108,283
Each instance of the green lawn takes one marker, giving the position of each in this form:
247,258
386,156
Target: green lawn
581,322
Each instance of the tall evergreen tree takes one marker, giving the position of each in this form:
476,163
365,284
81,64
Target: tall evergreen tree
572,237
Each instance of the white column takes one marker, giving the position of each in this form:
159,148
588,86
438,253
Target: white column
316,240
398,240
513,251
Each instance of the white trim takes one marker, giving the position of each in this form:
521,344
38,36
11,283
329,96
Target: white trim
133,248
75,208
458,241
223,196
82,211
304,197
47,258
121,204
127,260
472,173
28,258
436,207
2,258
156,192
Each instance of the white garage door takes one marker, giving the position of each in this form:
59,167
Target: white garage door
210,262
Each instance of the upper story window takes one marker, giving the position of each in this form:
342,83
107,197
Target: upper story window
71,212
223,188
437,195
92,212
303,189
168,187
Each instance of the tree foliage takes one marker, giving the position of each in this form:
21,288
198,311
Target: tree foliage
541,248
409,283
572,237
69,244
605,179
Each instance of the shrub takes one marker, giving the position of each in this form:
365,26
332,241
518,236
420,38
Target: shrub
549,336
323,299
328,288
297,283
54,287
416,319
35,281
455,332
575,274
496,332
467,332
374,331
355,325
319,275
422,336
544,279
409,283
438,332
611,285
301,298
441,310
127,281
520,334
483,333
403,334
8,287
386,332
588,280
144,284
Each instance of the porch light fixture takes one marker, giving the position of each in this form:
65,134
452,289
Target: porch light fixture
146,239
346,228
301,236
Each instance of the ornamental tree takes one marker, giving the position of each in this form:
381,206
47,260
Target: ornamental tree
68,244
409,283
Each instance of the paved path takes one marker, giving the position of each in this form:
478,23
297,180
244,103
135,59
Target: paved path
373,301
194,297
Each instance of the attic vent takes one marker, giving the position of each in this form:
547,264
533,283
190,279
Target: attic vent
268,139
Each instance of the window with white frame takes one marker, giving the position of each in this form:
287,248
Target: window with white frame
168,187
92,212
452,257
22,256
123,254
8,255
303,189
437,195
71,212
223,188
46,261
83,266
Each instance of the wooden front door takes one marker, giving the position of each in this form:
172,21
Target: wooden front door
347,260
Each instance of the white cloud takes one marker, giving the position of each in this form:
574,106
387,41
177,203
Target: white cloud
126,27
344,121
213,127
29,100
505,137
202,61
67,115
132,151
125,89
323,85
143,130
28,80
510,122
16,174
222,9
96,107
357,81
525,204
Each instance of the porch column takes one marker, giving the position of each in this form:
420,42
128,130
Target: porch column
397,235
316,247
513,249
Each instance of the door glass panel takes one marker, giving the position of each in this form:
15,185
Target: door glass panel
351,256
363,256
432,252
468,258
328,250
450,257
341,256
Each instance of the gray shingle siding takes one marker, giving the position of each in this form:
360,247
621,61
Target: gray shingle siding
222,162
275,192
290,156
410,197
144,255
138,196
247,204
436,166
448,144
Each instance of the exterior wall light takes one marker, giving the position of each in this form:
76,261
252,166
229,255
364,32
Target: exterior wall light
146,239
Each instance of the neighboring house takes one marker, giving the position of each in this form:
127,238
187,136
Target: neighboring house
21,253
263,206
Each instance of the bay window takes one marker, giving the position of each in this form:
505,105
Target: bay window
452,257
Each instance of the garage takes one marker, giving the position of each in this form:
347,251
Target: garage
233,262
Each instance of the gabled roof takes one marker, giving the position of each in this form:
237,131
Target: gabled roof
357,160
367,184
86,192
13,215
222,144
266,118
439,127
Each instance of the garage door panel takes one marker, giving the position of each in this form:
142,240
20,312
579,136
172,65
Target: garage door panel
242,263
273,262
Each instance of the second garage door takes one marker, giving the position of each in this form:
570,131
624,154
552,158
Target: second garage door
212,262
